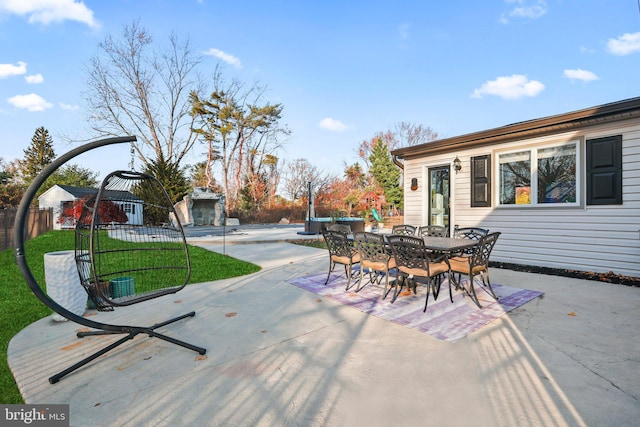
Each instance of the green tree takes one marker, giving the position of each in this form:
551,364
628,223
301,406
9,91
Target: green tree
11,189
37,156
75,175
234,122
385,172
171,176
201,177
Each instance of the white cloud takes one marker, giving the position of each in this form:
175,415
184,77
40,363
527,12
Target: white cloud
509,87
578,74
332,124
625,44
34,79
7,70
48,11
68,107
30,102
229,59
524,9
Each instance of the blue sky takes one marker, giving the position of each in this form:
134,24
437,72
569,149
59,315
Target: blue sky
344,70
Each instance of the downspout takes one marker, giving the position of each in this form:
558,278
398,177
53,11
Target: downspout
398,163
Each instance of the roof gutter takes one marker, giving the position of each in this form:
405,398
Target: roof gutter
621,110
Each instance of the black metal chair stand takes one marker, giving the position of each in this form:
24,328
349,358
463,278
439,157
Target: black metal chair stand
130,247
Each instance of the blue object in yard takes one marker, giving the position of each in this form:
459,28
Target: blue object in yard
122,287
376,216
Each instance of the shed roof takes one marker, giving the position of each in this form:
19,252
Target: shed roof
80,192
615,111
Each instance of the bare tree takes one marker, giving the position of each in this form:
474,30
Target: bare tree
404,135
298,175
409,134
137,90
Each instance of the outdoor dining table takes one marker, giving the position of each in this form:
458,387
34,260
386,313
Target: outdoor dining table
448,245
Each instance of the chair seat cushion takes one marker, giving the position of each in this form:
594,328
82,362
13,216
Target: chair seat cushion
462,266
379,265
435,269
345,259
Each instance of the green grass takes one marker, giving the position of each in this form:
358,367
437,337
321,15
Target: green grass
313,243
19,307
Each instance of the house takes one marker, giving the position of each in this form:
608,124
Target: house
60,197
564,190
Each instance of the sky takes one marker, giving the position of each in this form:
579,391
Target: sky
344,71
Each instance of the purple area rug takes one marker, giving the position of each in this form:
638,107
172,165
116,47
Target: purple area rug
443,320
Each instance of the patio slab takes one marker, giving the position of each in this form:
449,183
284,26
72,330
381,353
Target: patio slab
278,355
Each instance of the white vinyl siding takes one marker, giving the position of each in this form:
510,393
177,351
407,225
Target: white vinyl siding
588,238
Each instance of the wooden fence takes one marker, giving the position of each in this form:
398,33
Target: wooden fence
39,221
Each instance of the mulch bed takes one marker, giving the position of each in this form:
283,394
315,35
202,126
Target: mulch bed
609,277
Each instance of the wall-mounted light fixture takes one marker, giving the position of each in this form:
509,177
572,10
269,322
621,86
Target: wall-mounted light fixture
457,164
414,184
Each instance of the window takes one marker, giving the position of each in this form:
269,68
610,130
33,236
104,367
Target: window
129,208
557,174
541,176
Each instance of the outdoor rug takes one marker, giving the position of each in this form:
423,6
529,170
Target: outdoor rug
443,320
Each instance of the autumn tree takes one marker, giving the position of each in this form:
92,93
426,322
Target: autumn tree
136,87
108,211
261,180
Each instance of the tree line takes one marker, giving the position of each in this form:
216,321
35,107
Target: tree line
156,92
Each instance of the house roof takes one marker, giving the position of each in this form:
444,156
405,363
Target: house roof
612,112
78,192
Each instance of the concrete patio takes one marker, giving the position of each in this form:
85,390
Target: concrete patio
281,356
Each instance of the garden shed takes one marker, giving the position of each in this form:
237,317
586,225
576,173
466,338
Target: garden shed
564,190
60,197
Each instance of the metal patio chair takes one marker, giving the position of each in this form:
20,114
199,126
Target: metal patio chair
432,230
416,264
375,256
130,248
341,251
405,229
477,264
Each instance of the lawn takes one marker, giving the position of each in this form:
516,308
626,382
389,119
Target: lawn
19,307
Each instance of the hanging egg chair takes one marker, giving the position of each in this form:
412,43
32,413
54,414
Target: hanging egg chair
130,248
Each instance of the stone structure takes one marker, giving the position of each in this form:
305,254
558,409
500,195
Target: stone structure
201,207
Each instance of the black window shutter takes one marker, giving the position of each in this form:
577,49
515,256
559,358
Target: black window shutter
604,171
481,181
